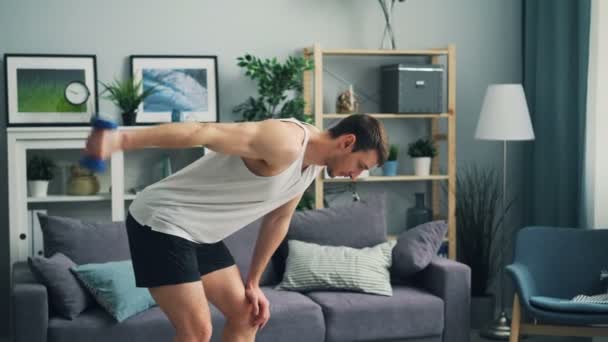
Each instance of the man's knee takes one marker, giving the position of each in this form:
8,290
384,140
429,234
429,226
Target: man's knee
240,318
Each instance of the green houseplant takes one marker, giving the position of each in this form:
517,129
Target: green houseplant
479,217
422,151
307,202
390,166
279,87
127,97
40,170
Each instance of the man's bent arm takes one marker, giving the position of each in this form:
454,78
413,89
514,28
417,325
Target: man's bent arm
274,229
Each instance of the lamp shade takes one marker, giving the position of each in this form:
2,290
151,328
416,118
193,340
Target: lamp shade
504,114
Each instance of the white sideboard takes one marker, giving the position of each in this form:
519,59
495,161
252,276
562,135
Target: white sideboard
64,145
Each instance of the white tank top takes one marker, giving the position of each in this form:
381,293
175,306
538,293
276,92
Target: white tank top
217,195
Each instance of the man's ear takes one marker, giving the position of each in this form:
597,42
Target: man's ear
348,141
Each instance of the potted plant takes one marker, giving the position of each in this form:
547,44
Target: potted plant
40,170
422,151
478,217
279,88
390,166
127,97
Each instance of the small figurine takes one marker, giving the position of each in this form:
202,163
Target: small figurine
347,102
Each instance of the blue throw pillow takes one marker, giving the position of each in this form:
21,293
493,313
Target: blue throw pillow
112,284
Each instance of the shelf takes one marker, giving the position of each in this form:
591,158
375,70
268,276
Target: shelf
130,197
390,116
70,198
403,178
366,52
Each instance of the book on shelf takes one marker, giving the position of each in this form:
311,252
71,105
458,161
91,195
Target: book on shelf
35,232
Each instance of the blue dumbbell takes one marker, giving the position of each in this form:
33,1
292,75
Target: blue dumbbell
95,164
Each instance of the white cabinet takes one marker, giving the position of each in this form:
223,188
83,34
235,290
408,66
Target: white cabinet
132,169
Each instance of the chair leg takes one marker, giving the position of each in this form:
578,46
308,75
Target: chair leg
515,320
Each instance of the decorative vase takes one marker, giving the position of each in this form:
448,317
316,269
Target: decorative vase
38,188
177,115
347,102
128,118
82,182
390,168
419,213
422,166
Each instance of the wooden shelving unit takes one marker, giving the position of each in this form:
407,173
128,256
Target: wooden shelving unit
313,95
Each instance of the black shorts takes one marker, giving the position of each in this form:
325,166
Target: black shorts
163,259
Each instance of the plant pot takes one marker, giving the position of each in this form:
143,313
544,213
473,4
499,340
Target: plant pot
390,168
422,166
38,188
128,118
83,185
482,311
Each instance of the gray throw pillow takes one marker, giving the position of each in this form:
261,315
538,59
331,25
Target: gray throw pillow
417,247
241,245
84,242
67,297
313,267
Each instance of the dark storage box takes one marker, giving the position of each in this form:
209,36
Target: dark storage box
412,88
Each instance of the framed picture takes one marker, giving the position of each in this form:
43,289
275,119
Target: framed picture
183,84
50,90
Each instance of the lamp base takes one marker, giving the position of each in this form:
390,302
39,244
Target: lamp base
499,329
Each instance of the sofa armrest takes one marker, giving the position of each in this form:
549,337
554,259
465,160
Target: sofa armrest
451,281
29,306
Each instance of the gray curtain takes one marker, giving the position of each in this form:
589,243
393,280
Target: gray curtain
556,50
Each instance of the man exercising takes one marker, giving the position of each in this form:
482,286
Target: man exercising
255,169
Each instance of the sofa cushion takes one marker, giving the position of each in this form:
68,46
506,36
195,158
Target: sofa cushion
314,267
112,284
360,224
95,325
241,245
417,247
294,318
409,313
67,297
84,242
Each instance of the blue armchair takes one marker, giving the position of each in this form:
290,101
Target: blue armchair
551,266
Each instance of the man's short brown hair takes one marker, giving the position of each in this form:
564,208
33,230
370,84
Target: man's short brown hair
369,132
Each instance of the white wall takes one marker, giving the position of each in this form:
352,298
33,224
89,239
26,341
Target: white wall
596,164
487,35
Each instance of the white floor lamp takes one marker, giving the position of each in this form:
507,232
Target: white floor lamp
504,117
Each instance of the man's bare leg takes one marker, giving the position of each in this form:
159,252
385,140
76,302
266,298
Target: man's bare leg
225,289
187,308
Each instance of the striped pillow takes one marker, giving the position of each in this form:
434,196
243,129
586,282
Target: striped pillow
314,267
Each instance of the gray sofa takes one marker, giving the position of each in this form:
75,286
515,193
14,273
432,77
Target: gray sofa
432,305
